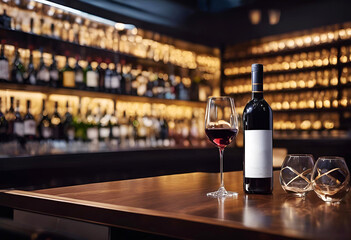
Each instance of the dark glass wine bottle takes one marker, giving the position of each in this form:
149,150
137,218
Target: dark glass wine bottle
116,79
43,74
54,73
30,74
101,76
68,126
79,125
56,124
29,125
10,118
3,125
4,65
44,127
18,128
17,69
258,126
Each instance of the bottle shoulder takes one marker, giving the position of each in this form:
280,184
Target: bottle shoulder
257,105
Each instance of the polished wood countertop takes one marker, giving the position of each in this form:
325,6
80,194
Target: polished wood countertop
177,206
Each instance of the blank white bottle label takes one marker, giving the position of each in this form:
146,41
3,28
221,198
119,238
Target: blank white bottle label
258,154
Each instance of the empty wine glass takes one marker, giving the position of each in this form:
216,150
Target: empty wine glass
330,179
221,127
295,174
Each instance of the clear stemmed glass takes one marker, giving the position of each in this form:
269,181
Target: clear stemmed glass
221,127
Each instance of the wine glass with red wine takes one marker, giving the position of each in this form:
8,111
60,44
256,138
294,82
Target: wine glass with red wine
221,127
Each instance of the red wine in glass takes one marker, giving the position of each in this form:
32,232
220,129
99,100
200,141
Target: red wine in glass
221,136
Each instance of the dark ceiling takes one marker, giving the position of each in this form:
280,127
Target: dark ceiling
217,22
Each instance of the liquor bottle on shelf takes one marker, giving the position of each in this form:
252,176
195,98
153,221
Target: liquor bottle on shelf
68,75
258,126
116,79
56,124
127,76
123,129
3,125
43,74
29,125
17,69
91,77
104,130
5,20
30,76
18,128
92,126
79,75
44,127
108,77
10,118
68,126
181,91
114,131
54,73
79,125
101,76
4,65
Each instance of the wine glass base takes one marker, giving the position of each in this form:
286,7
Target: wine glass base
222,193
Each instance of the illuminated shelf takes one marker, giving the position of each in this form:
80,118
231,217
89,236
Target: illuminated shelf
291,90
310,110
60,47
93,94
285,52
297,70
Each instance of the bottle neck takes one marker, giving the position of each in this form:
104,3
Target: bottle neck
257,95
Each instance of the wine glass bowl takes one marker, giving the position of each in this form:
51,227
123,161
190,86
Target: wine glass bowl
221,127
295,174
330,179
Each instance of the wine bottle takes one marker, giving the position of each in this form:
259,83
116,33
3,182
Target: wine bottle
115,131
10,118
79,75
108,77
127,79
17,69
29,125
79,125
54,73
68,76
68,127
258,125
104,130
4,65
44,127
3,125
18,128
56,124
43,75
116,79
92,126
91,77
30,75
101,76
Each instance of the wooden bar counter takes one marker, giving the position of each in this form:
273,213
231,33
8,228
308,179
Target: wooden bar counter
177,206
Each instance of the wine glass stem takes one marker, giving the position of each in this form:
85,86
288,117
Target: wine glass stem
221,165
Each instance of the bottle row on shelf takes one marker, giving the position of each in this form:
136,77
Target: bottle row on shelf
42,19
328,99
315,38
315,121
325,78
117,77
324,57
99,129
